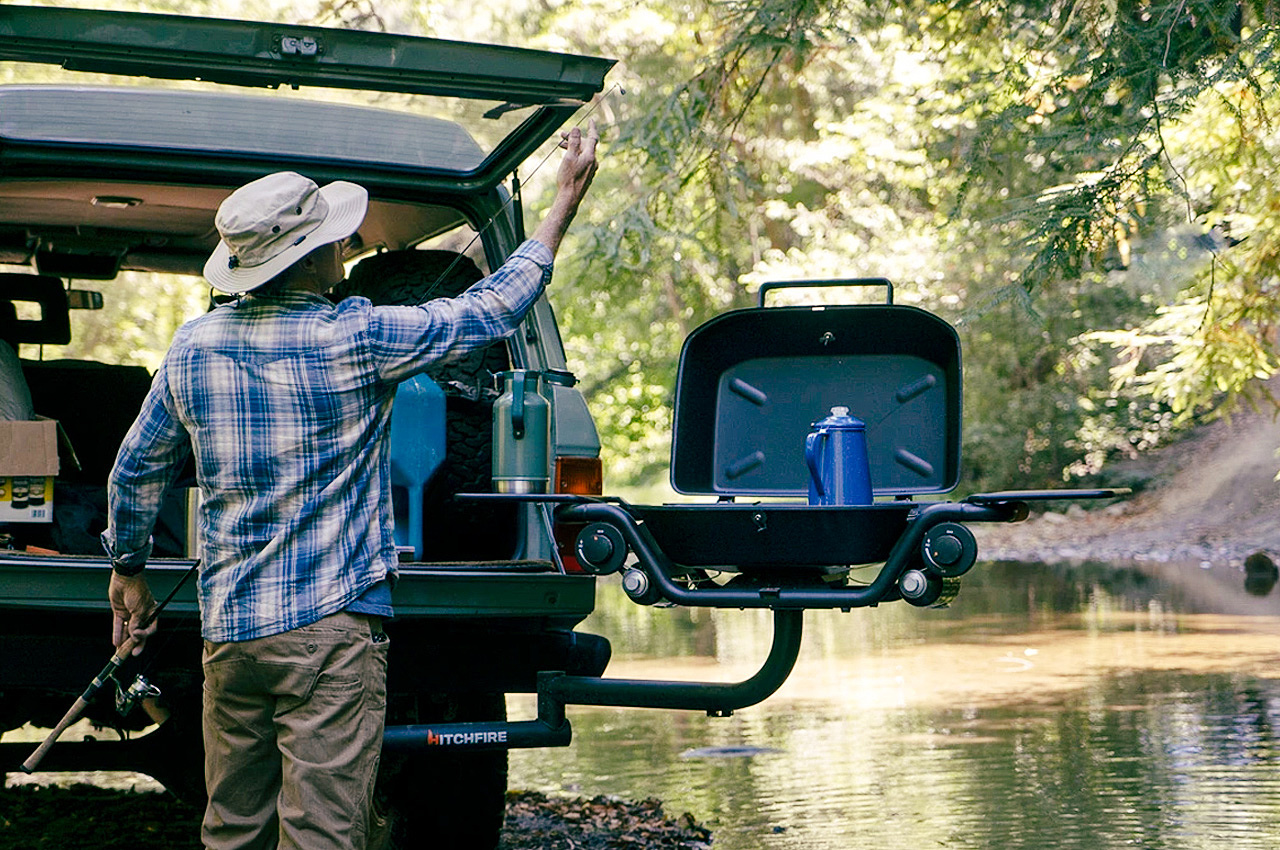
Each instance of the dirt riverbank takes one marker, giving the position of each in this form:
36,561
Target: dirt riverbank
1211,498
90,818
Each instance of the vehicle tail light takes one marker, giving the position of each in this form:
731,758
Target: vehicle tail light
581,476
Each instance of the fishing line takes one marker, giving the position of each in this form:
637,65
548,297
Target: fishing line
514,195
155,613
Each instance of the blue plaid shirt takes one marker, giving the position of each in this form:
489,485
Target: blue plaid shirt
285,400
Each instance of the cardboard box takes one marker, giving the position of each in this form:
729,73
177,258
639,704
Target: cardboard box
28,463
29,447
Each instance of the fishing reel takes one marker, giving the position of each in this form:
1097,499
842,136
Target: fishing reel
140,692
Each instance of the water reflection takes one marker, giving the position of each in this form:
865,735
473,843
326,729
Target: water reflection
1051,707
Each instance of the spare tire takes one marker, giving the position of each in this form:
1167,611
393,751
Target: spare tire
452,530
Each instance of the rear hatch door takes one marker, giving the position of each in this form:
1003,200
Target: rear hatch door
511,99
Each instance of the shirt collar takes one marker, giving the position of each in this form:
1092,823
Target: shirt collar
289,296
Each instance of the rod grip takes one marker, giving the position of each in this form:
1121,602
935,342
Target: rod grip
70,717
78,707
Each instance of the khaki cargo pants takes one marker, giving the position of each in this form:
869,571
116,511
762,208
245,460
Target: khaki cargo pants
292,733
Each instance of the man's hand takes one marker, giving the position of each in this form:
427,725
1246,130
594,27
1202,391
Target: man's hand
577,169
578,166
131,602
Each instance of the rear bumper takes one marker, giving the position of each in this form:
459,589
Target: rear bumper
52,583
486,627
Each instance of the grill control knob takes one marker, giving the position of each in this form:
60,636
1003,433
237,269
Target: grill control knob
949,550
600,549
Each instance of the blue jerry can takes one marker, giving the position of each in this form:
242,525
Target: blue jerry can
417,450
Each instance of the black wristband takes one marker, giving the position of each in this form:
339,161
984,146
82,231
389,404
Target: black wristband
128,570
127,564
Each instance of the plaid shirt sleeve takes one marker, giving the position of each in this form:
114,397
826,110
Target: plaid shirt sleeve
407,339
151,456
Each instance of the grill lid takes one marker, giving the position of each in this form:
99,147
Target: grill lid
752,382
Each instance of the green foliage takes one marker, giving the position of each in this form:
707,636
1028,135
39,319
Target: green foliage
140,314
739,153
1040,173
1144,115
1029,389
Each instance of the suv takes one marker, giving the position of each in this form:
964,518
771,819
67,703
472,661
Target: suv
100,179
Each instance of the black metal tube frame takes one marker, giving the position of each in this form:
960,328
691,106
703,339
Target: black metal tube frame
556,689
551,728
659,568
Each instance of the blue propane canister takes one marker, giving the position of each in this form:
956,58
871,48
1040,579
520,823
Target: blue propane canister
836,454
417,450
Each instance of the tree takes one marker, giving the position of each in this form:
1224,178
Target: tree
1137,132
754,141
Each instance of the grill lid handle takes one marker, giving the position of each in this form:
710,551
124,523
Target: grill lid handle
849,281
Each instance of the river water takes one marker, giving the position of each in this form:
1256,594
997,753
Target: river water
1051,706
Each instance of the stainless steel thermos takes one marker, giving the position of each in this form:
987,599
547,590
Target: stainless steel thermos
521,434
836,454
524,429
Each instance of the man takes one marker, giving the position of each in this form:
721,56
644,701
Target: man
284,399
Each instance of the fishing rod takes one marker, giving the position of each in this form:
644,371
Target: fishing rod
139,690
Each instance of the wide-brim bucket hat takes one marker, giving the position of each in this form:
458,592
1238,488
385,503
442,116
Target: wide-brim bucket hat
269,224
